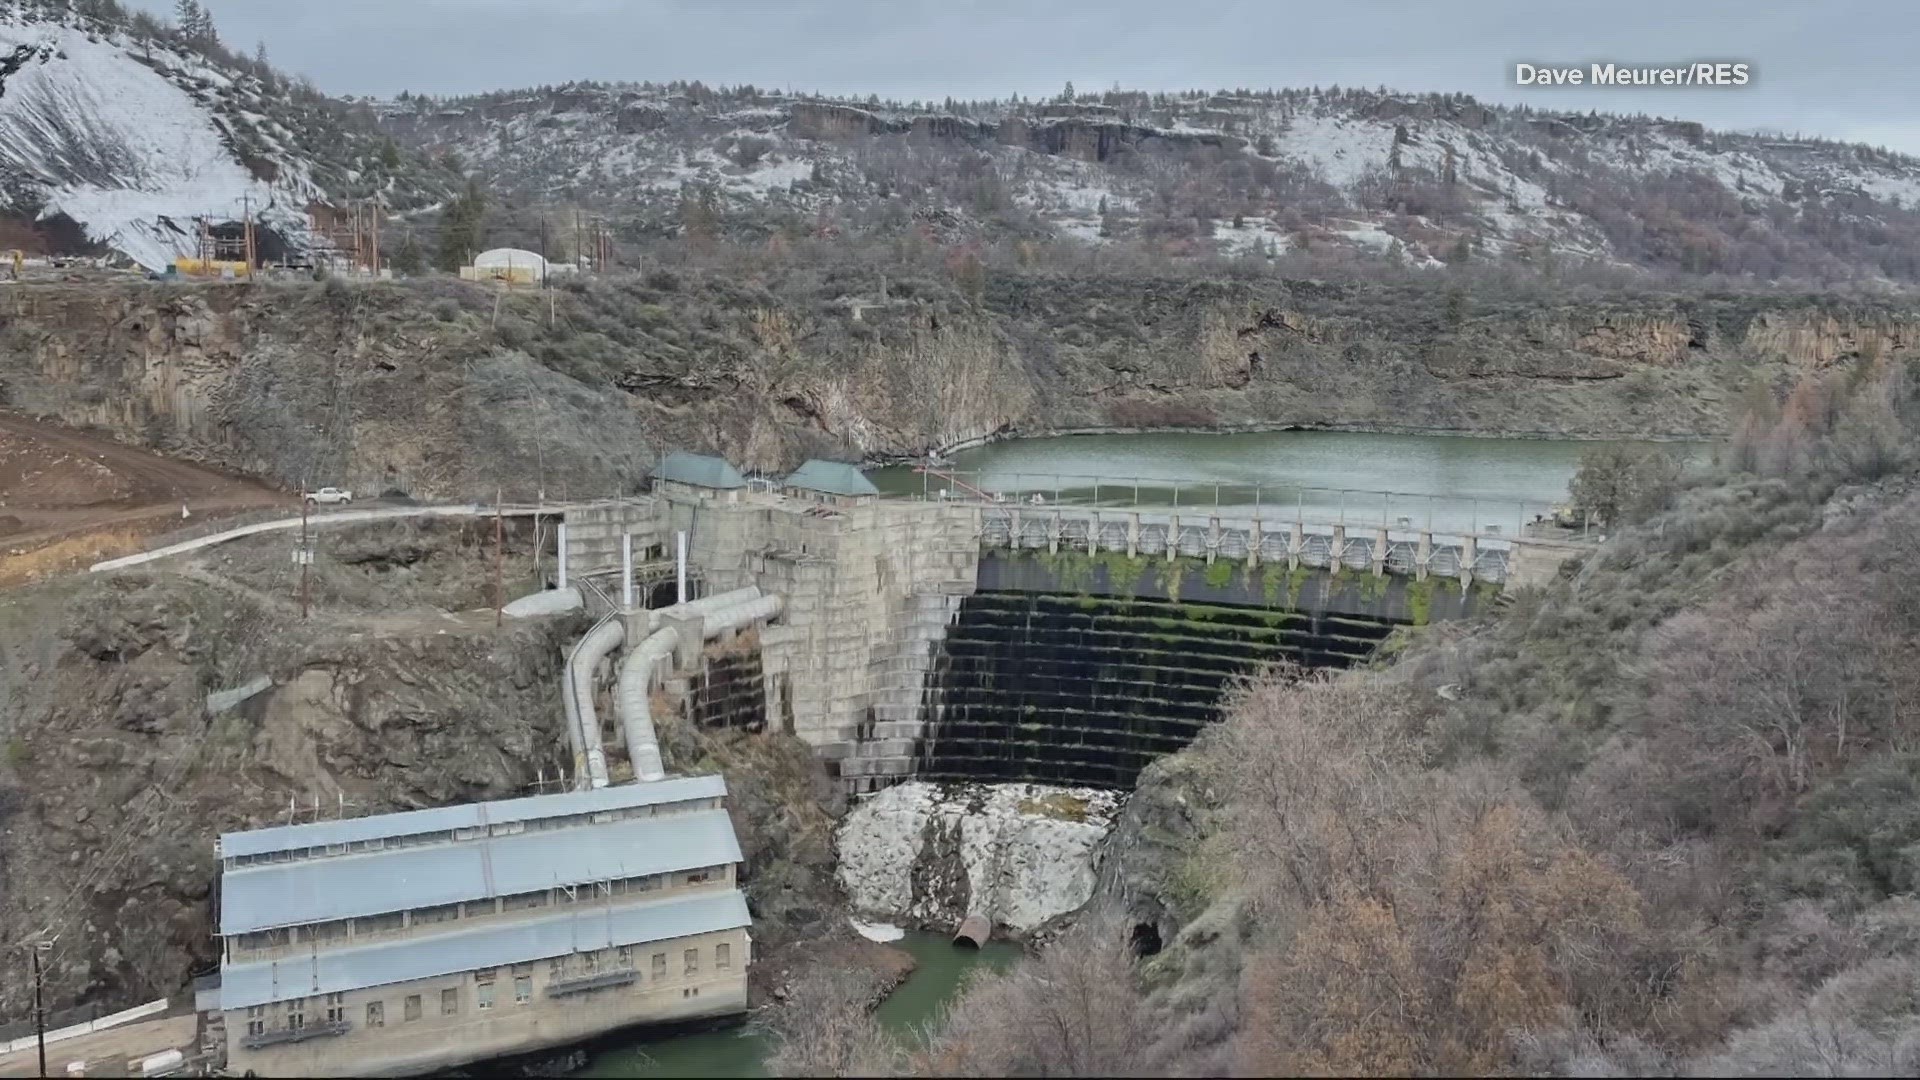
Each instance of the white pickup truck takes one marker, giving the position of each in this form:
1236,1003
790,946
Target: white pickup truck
329,495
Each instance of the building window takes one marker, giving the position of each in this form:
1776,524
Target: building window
483,995
378,924
522,901
484,975
522,969
556,969
590,962
412,1008
522,989
376,1014
336,1008
723,956
697,877
450,1001
296,1014
443,913
693,961
659,965
256,1023
625,953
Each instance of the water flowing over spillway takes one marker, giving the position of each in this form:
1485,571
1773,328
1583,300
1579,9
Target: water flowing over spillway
1086,690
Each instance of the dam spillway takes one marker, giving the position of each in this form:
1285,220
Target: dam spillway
1087,690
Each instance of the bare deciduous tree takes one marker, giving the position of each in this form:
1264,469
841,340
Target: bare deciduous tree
1071,1011
826,1027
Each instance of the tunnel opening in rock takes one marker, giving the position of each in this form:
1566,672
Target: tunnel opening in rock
1145,939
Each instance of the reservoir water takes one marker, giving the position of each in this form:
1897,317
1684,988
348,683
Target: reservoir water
1448,482
739,1051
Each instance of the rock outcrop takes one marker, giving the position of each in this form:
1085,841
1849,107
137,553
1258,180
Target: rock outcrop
426,388
932,854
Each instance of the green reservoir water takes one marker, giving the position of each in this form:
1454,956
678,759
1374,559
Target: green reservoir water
1439,481
738,1051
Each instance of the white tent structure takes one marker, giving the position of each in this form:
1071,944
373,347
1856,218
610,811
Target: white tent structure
511,264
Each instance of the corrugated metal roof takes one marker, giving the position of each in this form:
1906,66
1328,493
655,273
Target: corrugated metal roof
584,927
832,477
350,886
699,470
448,818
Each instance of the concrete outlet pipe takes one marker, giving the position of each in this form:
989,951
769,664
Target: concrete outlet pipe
730,611
973,932
583,721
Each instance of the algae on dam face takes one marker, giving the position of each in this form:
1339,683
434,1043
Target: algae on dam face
1232,583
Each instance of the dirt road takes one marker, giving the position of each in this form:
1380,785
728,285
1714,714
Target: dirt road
63,489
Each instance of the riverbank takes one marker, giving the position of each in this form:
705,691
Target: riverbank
929,971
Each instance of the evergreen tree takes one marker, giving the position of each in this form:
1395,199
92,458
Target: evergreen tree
260,58
195,22
460,227
408,261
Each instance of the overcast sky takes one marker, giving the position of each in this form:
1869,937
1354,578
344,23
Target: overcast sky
1840,68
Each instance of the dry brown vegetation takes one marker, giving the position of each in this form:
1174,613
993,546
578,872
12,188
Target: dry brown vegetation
1071,1011
826,1027
67,554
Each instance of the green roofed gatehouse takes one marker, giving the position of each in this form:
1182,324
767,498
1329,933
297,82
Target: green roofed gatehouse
835,483
699,476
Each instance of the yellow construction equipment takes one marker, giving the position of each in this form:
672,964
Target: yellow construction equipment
190,267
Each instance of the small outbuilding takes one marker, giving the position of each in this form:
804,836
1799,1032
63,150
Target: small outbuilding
698,476
832,482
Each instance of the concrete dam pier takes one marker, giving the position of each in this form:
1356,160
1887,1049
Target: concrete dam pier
965,639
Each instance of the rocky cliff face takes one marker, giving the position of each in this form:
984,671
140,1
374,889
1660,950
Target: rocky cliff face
435,389
117,776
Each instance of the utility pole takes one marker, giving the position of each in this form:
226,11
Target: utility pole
39,1011
306,553
500,560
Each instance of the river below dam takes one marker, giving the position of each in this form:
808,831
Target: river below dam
1447,482
740,1051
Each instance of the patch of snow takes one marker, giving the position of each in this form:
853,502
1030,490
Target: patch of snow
1367,234
1340,149
778,175
1255,235
120,149
877,931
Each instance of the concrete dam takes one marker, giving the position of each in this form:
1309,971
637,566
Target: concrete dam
967,639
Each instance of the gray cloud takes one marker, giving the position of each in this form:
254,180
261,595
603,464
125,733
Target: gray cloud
1840,69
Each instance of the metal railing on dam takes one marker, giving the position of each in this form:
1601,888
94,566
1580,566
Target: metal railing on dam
1318,528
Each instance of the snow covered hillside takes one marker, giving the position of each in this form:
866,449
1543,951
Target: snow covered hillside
134,137
1424,178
